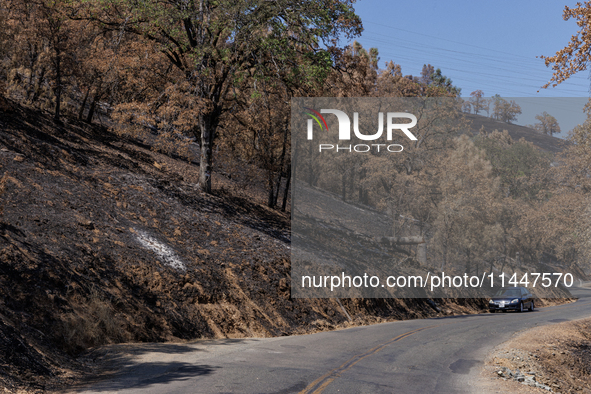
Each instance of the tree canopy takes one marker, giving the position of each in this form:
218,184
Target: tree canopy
547,124
575,56
216,44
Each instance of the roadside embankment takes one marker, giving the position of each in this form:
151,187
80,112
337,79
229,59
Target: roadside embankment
550,358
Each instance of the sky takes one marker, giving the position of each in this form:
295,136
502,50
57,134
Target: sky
487,45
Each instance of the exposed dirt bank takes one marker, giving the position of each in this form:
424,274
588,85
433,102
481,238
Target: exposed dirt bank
554,358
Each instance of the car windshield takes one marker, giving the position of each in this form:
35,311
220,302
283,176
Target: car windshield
508,293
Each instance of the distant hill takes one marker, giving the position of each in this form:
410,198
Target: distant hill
544,142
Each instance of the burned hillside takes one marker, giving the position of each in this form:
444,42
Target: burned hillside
103,240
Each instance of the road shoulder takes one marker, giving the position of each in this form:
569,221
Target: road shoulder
549,358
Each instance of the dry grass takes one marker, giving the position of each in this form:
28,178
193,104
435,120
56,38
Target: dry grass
93,323
559,355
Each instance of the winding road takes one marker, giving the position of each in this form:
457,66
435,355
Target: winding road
438,355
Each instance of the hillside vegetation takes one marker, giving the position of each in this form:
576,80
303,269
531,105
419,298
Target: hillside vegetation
103,240
146,167
545,142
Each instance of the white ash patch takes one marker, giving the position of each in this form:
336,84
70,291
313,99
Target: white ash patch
166,254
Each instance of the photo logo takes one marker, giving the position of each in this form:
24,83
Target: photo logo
315,116
345,129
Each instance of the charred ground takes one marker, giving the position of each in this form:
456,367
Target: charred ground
545,142
103,240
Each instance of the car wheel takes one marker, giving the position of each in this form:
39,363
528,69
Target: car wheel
521,307
531,306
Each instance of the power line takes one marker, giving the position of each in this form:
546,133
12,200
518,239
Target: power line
512,74
445,39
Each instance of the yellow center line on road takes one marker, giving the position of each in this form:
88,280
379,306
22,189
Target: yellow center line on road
318,386
322,382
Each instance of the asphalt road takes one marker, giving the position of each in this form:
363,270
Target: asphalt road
440,355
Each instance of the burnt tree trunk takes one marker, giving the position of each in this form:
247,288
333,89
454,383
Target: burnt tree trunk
208,123
344,186
281,165
83,105
36,93
58,83
271,194
92,109
286,190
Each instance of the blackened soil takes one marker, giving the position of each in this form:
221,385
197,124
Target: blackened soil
103,241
